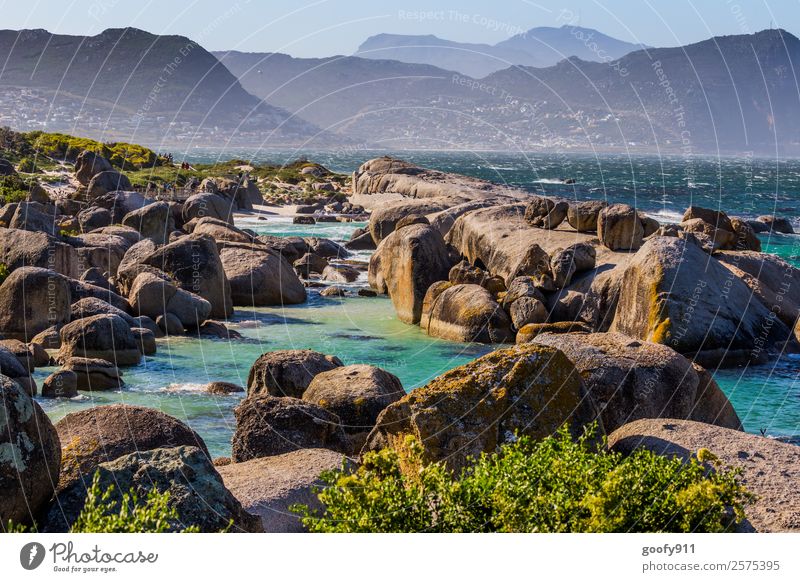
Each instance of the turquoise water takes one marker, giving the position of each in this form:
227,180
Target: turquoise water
365,330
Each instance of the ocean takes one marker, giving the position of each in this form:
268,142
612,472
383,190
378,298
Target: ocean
366,330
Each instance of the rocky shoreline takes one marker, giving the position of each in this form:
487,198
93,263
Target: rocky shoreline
616,320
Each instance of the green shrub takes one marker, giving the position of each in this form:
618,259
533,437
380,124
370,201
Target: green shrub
27,166
553,485
4,272
13,189
102,514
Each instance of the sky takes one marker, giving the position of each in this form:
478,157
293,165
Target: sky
315,28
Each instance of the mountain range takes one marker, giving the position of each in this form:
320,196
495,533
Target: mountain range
153,81
542,46
729,94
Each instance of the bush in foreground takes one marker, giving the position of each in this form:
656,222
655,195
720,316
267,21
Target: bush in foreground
101,514
554,485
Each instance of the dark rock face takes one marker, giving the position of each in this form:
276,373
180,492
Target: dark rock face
271,425
196,490
22,248
104,433
776,224
287,372
30,455
475,408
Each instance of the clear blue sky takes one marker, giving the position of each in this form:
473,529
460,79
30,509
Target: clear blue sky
325,27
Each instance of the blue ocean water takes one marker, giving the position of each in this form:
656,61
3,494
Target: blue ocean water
366,330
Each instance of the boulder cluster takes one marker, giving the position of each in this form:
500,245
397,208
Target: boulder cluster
470,261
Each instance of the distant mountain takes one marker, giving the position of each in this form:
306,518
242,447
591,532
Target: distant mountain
731,94
128,74
538,47
335,92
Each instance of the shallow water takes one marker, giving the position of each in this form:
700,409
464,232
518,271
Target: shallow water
365,330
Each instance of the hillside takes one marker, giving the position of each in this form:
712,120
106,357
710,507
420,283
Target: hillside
133,79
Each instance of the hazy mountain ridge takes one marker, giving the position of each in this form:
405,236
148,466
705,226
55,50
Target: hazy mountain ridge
703,97
538,47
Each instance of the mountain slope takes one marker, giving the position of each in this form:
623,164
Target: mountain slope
731,94
334,91
538,47
129,73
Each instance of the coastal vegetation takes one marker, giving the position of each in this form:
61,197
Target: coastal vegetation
552,485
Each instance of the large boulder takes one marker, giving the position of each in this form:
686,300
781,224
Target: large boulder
773,281
60,384
770,469
89,306
582,216
620,228
746,237
205,204
259,276
153,295
104,251
544,212
105,336
104,433
383,220
34,217
269,486
272,425
221,231
287,372
94,217
675,294
153,221
88,164
631,379
776,224
94,374
406,263
23,248
31,300
196,490
356,394
105,182
30,456
500,241
193,262
528,389
468,313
